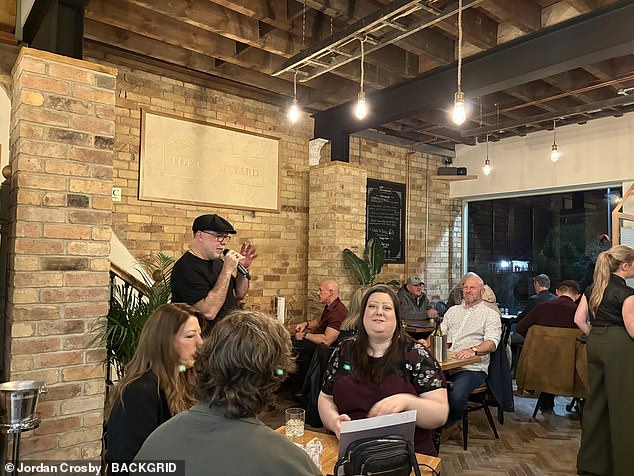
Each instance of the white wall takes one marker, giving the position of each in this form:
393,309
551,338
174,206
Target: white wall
599,152
5,117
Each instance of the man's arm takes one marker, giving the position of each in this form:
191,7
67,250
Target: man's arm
527,321
327,338
530,304
215,298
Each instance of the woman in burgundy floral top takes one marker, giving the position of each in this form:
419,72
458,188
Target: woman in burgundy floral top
381,371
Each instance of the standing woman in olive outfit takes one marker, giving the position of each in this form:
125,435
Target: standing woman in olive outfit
382,371
606,314
158,380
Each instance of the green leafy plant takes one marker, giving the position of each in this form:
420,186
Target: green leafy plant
131,305
367,268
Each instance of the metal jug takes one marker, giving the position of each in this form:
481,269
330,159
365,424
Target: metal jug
439,347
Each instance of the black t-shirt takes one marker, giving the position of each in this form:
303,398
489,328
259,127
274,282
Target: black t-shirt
193,277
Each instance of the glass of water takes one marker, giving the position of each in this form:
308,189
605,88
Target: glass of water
295,418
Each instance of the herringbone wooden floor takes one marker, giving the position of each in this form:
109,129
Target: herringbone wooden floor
545,445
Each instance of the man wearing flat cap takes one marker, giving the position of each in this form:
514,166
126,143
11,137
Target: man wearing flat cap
206,279
413,300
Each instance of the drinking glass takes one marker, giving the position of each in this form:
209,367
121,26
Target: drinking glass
295,418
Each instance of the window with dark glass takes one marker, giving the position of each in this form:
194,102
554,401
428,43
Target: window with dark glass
512,240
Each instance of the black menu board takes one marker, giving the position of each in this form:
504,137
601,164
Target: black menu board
385,217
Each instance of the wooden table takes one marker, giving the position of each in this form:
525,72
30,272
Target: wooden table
419,327
331,449
454,363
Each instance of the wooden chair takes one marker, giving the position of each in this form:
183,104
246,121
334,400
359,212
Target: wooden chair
477,401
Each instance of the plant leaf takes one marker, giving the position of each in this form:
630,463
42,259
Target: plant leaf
358,266
374,254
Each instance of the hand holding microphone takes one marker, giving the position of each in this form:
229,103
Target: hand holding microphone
241,269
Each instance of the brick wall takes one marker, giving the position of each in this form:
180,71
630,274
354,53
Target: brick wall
62,132
150,226
282,239
433,228
336,221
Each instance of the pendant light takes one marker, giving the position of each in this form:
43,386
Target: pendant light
554,151
294,111
459,114
361,109
487,168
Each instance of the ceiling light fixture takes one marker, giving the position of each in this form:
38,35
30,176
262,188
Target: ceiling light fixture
294,111
459,113
554,151
361,108
487,168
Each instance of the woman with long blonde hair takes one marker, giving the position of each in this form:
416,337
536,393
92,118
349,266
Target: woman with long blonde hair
350,324
158,380
606,315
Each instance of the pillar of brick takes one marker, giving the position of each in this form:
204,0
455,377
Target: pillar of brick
62,135
336,220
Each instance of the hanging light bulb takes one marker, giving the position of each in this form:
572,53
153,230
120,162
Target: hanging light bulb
554,151
487,168
361,109
459,114
294,111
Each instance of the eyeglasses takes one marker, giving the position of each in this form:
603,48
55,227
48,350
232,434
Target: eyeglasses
219,238
419,285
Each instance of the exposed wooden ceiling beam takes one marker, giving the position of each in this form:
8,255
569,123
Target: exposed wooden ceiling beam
550,116
318,92
567,45
523,14
272,12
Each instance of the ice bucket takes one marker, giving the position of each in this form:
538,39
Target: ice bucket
18,402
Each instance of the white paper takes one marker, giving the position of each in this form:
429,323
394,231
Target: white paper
403,424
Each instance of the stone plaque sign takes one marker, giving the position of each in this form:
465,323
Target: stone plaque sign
192,162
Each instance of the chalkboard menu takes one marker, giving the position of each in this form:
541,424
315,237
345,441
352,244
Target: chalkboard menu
385,217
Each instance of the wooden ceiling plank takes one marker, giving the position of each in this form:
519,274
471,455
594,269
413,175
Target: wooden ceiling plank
160,27
426,42
314,91
571,80
272,12
228,23
582,6
478,29
523,14
153,48
550,116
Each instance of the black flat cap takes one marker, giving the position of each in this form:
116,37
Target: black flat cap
212,223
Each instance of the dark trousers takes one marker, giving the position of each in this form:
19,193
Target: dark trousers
304,350
464,382
608,417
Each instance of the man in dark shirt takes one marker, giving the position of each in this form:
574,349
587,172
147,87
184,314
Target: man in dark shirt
325,329
414,304
557,313
204,280
541,283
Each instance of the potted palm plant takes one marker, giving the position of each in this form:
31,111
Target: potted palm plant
366,268
130,306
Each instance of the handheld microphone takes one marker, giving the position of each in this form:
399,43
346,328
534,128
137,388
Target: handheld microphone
241,269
